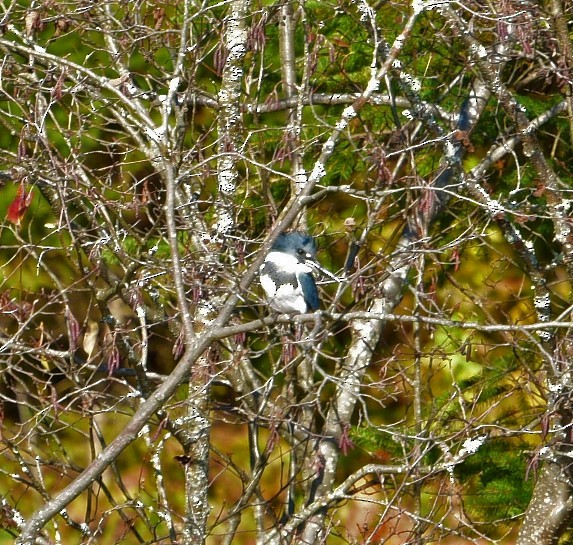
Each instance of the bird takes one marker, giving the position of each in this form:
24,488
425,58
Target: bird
286,274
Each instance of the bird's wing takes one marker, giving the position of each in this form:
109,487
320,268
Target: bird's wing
309,290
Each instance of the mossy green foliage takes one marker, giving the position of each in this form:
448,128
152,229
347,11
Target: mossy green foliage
495,486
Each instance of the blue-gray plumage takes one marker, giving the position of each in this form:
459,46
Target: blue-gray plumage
286,274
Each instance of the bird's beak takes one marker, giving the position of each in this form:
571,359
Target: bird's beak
313,263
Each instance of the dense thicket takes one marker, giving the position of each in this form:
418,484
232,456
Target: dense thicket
152,151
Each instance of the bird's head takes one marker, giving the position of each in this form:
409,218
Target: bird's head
296,244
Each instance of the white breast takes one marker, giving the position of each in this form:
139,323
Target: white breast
286,298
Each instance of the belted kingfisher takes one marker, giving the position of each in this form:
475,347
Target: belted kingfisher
286,274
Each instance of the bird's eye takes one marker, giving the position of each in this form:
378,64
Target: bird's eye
300,251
